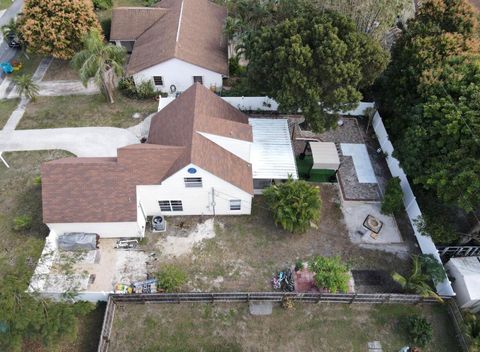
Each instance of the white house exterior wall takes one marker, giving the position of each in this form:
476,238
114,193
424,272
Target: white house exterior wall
180,74
104,229
195,201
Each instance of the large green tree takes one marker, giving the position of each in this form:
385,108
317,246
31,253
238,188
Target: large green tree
56,27
315,62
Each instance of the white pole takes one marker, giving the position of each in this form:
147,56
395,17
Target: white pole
4,161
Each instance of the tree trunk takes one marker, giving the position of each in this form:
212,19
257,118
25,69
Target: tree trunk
108,84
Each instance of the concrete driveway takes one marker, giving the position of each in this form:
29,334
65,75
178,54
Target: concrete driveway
81,141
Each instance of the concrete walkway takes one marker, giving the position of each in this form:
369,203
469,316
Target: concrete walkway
16,115
81,141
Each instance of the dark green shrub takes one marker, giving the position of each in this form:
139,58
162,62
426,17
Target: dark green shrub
234,67
37,180
432,268
126,85
102,4
22,222
330,273
295,204
149,3
170,278
419,329
393,199
146,90
106,24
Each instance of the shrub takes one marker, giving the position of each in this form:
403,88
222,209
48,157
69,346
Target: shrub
393,199
234,67
295,204
419,329
170,278
106,25
438,227
330,273
37,180
22,222
432,268
102,4
146,90
149,3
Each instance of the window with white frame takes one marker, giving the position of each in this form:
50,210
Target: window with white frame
170,205
158,80
193,182
235,204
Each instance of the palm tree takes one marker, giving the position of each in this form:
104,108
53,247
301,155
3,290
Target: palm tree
26,86
417,282
101,61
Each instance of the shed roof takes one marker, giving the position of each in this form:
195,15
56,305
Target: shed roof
469,268
272,154
325,155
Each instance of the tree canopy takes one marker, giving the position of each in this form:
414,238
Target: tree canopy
430,94
316,56
56,27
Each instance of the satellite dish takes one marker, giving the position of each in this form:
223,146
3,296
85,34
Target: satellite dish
173,88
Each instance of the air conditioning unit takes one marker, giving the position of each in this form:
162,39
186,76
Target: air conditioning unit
159,224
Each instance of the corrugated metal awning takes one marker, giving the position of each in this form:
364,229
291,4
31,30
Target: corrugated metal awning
272,154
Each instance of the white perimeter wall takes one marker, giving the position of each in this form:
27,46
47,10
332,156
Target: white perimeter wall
196,201
179,73
104,229
462,297
411,206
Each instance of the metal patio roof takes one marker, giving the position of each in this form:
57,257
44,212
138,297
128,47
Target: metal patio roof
272,155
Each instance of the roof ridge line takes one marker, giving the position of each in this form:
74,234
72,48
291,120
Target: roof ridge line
179,25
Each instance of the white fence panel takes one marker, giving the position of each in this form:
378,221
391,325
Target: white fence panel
411,206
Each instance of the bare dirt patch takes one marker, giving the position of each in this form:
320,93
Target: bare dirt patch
247,250
309,327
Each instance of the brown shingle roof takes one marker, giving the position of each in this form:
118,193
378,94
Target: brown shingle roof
104,189
198,23
131,22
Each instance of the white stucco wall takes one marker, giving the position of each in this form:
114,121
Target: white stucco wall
180,74
104,229
195,201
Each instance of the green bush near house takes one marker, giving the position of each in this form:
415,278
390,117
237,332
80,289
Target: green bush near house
393,199
295,204
144,90
22,223
330,273
37,180
102,4
171,278
419,329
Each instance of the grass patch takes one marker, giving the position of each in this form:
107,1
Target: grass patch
29,65
60,70
6,109
84,111
309,327
5,4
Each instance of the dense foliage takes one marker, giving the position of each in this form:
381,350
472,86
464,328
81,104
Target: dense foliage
430,95
295,204
26,86
392,202
102,4
315,61
420,330
144,90
28,317
421,277
101,61
330,273
472,330
56,27
171,278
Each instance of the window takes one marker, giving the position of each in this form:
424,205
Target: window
170,205
158,80
193,181
235,204
198,79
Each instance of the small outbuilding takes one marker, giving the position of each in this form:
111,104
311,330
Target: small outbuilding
465,273
319,161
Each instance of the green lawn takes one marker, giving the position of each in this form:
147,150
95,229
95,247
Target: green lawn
308,327
83,111
5,4
30,64
6,108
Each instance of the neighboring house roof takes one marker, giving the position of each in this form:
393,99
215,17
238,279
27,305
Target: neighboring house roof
104,189
188,30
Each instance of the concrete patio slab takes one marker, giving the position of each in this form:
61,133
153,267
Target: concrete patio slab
261,308
361,161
